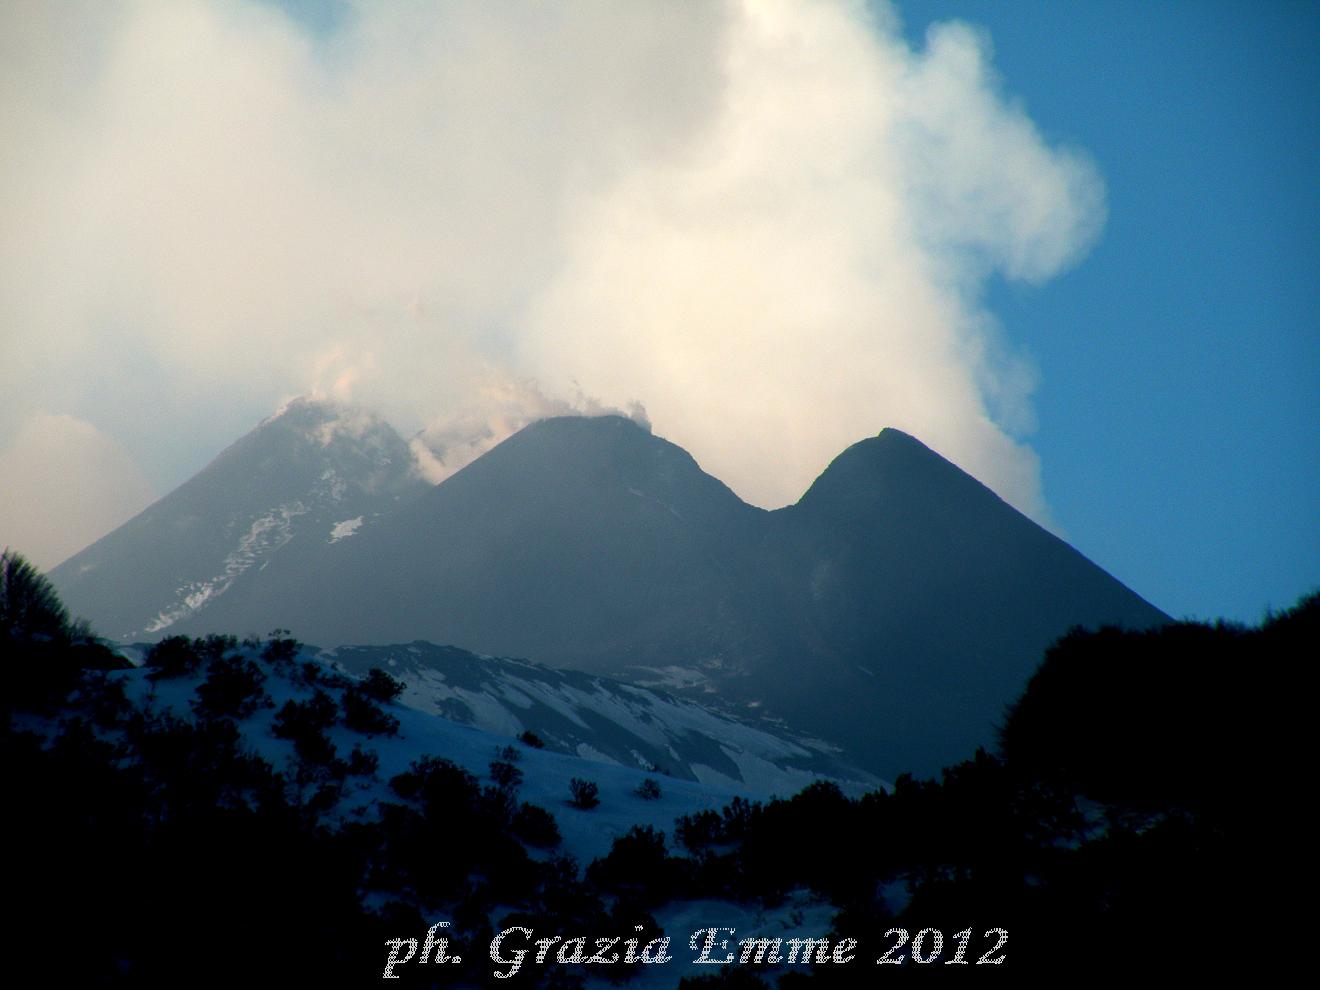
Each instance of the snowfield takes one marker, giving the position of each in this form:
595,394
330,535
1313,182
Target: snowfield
511,690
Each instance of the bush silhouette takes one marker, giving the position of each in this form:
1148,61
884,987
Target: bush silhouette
232,689
174,656
304,723
637,864
380,685
535,826
505,775
280,647
363,714
585,793
363,763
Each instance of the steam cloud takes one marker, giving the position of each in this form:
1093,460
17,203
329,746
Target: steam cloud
770,222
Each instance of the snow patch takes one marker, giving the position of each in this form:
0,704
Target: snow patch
265,535
589,752
343,530
670,678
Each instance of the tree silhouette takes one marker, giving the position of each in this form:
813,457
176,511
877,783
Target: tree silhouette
29,605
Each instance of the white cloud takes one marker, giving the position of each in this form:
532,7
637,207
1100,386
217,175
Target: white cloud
770,222
66,484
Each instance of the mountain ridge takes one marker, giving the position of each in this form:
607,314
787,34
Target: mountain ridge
894,609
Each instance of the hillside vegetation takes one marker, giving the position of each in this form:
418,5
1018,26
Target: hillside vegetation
1136,805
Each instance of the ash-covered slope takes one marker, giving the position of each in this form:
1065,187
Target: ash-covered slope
311,478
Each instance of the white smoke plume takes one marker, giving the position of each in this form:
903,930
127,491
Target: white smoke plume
770,222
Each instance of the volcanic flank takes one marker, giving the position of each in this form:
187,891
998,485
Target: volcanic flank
894,610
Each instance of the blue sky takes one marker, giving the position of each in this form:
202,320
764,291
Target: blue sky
1075,252
1178,403
1179,395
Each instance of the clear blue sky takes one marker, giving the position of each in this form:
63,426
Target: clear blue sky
1179,398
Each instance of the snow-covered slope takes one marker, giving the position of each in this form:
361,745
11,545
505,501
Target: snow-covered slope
603,720
587,834
545,776
315,475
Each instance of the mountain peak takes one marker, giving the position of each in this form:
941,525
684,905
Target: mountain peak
313,473
579,459
595,431
607,421
885,466
894,433
322,420
300,404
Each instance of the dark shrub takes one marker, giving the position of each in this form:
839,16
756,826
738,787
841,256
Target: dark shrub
215,646
304,723
380,685
363,762
173,656
363,714
232,689
435,782
699,831
535,826
505,775
585,793
280,647
637,864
